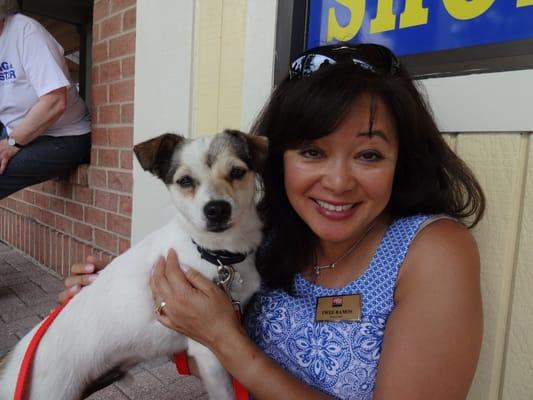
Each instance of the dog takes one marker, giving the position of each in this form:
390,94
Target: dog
111,325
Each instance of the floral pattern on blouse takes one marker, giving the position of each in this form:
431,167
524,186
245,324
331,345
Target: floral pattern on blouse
339,358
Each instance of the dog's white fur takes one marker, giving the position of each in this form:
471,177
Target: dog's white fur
112,322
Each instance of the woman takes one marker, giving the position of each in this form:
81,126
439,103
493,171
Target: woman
364,185
45,125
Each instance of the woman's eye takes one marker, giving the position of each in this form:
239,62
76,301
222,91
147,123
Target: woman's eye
310,153
237,173
370,156
185,181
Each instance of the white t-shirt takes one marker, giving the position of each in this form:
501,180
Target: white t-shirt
32,65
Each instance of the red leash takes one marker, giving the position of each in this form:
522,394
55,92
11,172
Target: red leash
25,367
182,365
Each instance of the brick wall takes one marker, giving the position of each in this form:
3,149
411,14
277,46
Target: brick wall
63,220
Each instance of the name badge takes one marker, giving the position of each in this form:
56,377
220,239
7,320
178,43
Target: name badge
338,308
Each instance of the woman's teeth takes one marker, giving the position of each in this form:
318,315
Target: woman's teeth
333,207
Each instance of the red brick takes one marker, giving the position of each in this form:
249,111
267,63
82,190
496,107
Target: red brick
99,138
42,200
128,67
57,204
96,32
95,75
84,195
121,91
34,212
83,231
106,240
118,224
109,114
82,175
124,45
28,196
106,200
108,158
110,26
64,190
74,210
120,181
121,137
101,9
49,187
100,52
95,217
110,71
64,224
125,205
126,113
99,95
126,159
118,5
97,178
48,218
123,245
128,21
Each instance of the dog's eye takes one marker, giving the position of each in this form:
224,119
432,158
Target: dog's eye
237,173
185,181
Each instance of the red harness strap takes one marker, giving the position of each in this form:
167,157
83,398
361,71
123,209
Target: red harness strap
182,366
25,367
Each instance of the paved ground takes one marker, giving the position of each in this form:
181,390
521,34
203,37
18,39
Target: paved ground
27,294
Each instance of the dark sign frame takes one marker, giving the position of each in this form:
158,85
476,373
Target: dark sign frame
508,56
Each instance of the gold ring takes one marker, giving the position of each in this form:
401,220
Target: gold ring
159,308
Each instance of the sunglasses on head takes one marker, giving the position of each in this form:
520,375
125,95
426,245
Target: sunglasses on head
370,58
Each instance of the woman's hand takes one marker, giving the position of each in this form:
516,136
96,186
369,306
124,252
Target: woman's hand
81,274
194,306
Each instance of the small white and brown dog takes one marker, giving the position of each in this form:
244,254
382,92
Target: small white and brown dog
111,325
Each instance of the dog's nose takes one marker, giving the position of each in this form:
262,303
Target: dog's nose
217,211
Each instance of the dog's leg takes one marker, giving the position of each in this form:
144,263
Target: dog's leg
216,380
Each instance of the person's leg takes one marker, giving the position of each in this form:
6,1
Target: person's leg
44,158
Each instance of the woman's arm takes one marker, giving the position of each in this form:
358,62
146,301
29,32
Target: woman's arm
433,336
81,274
199,309
43,114
48,109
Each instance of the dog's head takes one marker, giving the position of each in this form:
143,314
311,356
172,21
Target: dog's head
211,179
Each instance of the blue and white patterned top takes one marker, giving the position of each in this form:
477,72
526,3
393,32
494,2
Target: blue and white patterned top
339,358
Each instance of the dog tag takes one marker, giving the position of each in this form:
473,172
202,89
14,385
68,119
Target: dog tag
338,308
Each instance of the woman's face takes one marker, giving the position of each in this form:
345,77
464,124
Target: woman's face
340,183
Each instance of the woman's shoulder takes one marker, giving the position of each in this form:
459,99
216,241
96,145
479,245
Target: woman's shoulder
444,251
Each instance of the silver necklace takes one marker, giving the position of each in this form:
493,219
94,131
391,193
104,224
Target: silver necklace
332,265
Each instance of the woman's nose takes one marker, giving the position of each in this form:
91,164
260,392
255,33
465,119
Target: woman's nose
338,177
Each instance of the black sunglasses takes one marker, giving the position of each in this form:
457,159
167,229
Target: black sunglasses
371,58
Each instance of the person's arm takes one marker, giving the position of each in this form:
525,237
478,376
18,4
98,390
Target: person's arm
200,310
433,336
42,115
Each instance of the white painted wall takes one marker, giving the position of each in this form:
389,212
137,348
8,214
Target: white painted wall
163,78
495,102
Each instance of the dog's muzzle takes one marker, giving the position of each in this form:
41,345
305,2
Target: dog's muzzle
217,214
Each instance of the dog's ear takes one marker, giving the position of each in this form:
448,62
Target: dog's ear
257,148
155,155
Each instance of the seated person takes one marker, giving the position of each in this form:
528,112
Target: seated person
46,126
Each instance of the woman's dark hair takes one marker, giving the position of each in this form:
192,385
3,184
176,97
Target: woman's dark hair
429,177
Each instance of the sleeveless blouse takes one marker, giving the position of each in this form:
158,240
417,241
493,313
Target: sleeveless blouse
338,358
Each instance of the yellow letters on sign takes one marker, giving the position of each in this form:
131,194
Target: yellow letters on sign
385,19
524,3
467,9
345,33
414,14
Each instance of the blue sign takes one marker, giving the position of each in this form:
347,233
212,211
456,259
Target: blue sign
419,26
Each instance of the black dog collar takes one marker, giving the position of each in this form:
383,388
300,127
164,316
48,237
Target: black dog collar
218,257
